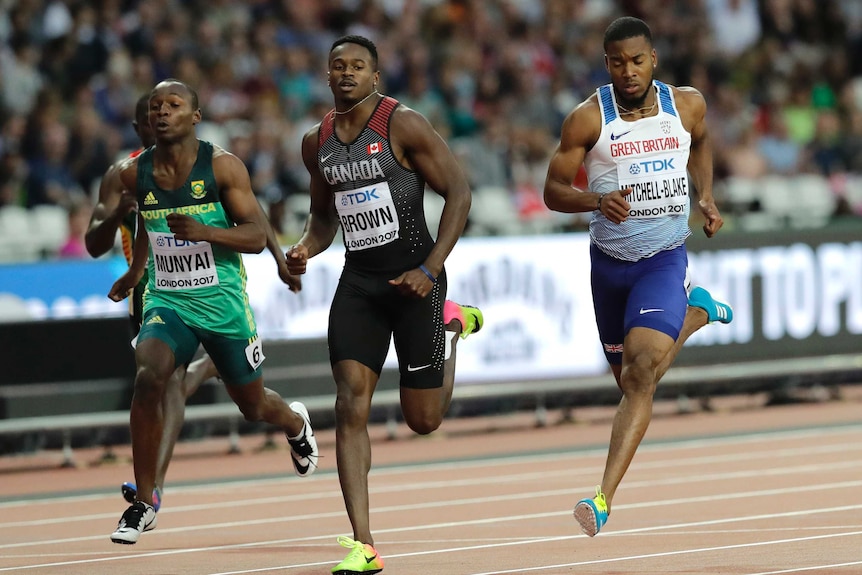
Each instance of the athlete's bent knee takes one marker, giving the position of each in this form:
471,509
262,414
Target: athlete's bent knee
424,423
639,376
149,384
351,411
251,412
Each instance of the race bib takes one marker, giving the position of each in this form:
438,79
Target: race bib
368,217
182,265
659,185
254,353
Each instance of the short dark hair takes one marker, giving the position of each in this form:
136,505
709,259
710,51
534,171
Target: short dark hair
625,28
192,93
360,41
142,108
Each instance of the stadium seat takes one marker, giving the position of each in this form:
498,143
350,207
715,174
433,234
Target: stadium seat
295,214
774,194
811,200
739,195
494,213
13,308
50,225
741,202
17,243
853,192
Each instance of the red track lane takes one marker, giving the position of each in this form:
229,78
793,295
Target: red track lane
741,490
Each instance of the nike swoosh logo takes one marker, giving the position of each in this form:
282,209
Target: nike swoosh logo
618,136
650,310
370,559
327,156
302,468
411,368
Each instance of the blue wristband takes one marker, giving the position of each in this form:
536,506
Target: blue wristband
427,273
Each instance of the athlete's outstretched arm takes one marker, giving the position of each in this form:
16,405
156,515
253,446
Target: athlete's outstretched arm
693,111
578,135
114,203
123,287
127,176
418,145
294,283
322,223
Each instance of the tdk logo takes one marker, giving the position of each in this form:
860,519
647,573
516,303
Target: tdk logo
652,166
360,197
172,242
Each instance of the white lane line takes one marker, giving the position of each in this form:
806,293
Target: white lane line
657,555
528,495
809,569
448,484
575,454
451,524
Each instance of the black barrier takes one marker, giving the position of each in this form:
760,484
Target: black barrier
65,350
795,293
56,367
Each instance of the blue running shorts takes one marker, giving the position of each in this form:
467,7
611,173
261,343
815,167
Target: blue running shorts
647,293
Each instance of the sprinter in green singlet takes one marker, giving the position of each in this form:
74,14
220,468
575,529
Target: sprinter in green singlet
196,215
117,210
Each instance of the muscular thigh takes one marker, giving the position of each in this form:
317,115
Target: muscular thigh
419,338
165,325
608,279
649,293
657,299
360,324
238,361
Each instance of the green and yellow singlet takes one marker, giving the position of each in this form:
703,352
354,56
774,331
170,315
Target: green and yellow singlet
203,283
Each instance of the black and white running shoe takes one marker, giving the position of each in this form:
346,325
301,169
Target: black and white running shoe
139,517
303,449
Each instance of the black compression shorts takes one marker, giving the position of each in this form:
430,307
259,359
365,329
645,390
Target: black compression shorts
367,312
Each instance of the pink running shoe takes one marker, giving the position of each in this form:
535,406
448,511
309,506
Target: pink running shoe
470,317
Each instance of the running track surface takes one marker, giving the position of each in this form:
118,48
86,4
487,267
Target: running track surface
741,490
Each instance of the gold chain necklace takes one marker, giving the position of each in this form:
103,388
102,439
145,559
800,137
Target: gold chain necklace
350,109
644,110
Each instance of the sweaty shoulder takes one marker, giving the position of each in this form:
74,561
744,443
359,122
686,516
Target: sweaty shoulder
229,171
407,123
127,171
409,133
225,160
589,109
219,153
311,134
583,126
310,145
690,103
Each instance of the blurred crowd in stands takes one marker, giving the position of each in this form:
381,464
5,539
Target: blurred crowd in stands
782,78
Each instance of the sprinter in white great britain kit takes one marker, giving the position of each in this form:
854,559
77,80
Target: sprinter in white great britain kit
643,145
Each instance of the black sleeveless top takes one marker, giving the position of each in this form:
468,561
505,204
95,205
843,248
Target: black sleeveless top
379,202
